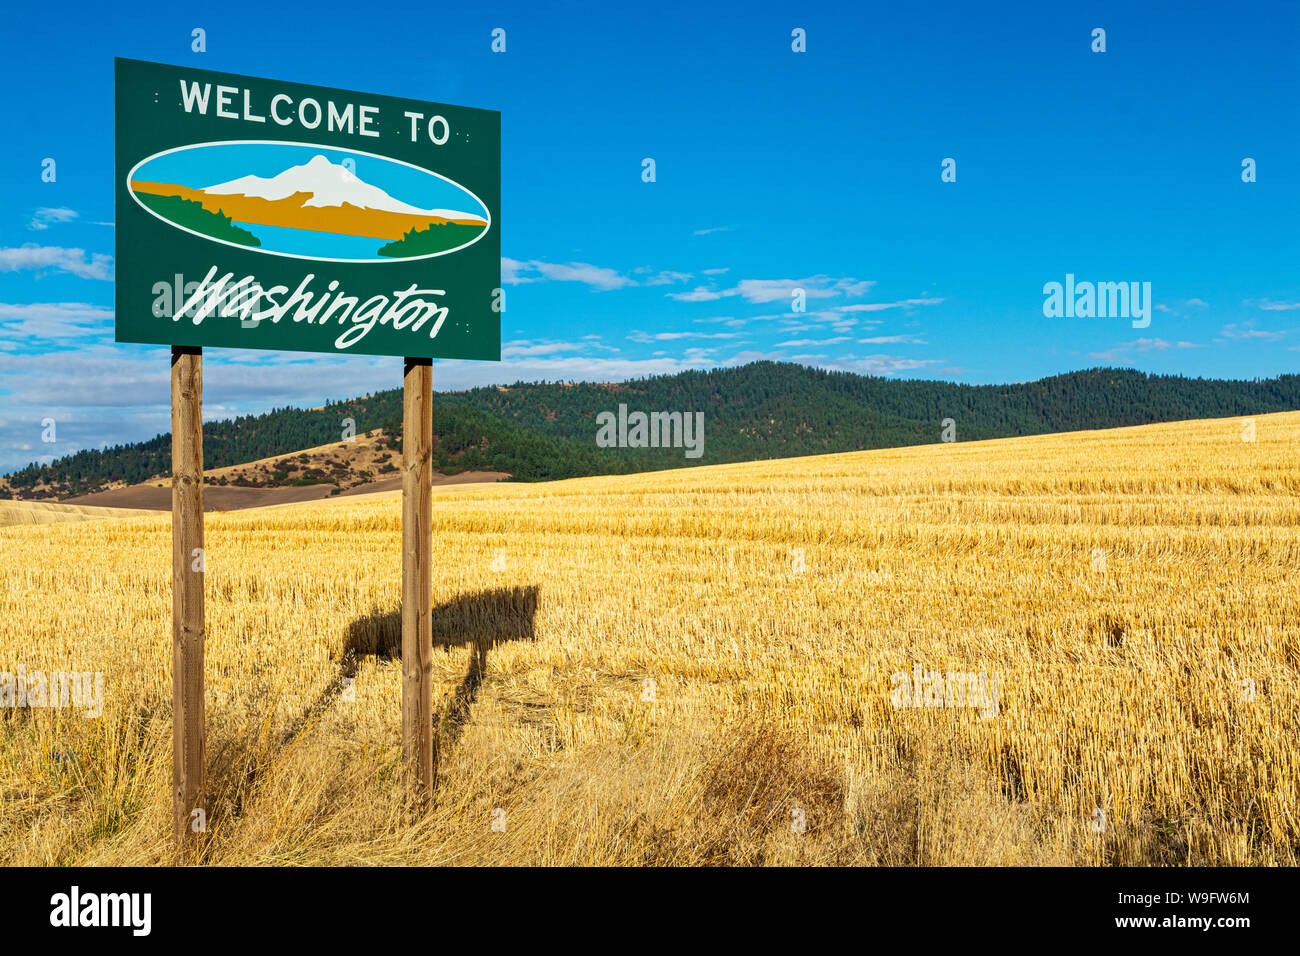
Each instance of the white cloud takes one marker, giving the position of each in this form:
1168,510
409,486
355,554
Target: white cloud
75,261
45,215
798,343
668,277
773,290
596,342
1124,349
517,272
646,337
55,320
524,348
892,340
511,270
881,306
700,294
1248,331
861,364
815,287
880,364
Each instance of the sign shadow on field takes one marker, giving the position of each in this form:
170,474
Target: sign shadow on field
480,620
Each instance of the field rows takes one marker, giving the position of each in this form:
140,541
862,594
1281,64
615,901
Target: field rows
675,667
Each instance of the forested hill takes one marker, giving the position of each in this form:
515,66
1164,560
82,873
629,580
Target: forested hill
763,410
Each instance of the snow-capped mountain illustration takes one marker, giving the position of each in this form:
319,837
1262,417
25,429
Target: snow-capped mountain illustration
330,184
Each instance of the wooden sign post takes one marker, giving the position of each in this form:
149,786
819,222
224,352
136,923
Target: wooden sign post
397,252
417,577
188,564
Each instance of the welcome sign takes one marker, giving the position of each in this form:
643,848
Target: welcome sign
258,214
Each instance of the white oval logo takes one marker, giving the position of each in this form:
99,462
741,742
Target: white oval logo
309,202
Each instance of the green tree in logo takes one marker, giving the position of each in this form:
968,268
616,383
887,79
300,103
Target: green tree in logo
192,215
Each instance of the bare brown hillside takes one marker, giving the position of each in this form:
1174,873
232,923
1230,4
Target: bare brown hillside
367,463
154,496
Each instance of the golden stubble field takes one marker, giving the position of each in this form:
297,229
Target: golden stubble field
699,666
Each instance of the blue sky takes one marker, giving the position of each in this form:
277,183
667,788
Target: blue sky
775,170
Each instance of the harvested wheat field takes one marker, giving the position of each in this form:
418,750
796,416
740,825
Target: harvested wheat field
50,512
703,666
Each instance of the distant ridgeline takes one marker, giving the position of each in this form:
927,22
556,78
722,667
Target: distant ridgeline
545,431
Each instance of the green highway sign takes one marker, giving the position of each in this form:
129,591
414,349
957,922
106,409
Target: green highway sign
253,213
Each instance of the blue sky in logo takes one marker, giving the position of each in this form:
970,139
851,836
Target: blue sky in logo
215,164
774,170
